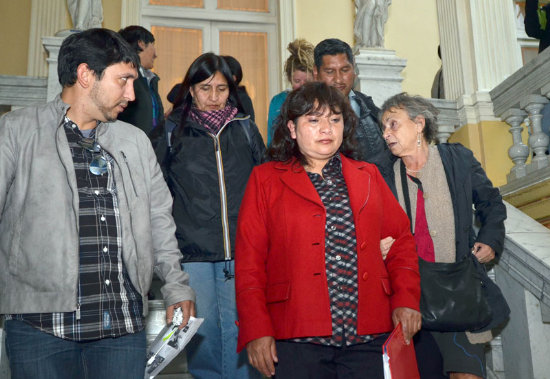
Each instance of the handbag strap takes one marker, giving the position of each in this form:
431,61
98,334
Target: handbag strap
405,188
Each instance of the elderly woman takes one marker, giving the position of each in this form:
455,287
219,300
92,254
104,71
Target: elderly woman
313,293
214,149
443,182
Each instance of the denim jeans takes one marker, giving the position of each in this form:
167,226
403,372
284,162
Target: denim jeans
34,354
212,353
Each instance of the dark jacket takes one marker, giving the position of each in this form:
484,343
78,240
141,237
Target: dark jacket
532,24
140,111
468,184
246,103
371,145
207,175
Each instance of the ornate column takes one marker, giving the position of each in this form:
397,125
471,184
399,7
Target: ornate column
447,120
379,68
379,73
496,51
52,46
453,64
130,13
538,140
287,31
476,55
47,18
518,152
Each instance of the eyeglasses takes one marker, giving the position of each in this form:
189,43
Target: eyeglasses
98,165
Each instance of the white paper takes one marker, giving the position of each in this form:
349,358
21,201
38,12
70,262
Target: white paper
169,343
386,360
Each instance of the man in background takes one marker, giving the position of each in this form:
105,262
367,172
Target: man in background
537,23
334,65
146,111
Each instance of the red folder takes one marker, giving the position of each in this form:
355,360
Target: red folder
399,358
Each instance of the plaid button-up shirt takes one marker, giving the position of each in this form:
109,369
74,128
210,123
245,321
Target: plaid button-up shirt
340,257
108,304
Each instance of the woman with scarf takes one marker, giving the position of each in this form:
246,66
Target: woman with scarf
213,151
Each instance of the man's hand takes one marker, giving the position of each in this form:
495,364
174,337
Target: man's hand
187,308
484,253
262,354
411,321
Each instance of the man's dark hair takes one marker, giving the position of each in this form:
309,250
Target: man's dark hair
98,48
135,33
311,98
235,68
331,46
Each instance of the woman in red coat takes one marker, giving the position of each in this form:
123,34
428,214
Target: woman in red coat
314,295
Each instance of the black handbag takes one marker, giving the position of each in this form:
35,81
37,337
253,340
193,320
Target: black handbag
452,297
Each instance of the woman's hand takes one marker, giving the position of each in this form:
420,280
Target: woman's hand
410,320
262,354
484,253
385,245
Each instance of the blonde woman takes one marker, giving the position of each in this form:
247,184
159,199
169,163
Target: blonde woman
299,70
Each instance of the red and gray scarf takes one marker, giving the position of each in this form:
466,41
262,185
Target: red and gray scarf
213,120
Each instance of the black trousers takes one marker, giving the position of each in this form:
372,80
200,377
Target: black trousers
306,360
428,356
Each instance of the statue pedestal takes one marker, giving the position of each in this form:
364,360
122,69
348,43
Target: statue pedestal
52,46
379,73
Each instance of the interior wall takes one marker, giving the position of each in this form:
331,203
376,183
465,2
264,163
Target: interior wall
317,20
15,19
112,14
411,30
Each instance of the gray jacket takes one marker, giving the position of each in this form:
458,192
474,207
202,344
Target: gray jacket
39,241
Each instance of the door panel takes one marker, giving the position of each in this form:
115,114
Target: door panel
252,45
179,3
183,32
250,49
176,49
244,5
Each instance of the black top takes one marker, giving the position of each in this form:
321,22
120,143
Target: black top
204,194
532,24
246,106
140,111
371,145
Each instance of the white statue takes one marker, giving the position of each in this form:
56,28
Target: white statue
86,14
369,24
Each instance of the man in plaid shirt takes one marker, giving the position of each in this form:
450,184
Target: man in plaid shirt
85,219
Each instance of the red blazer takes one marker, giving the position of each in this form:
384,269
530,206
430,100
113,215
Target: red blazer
281,283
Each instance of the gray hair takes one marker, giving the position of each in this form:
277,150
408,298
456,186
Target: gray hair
415,106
